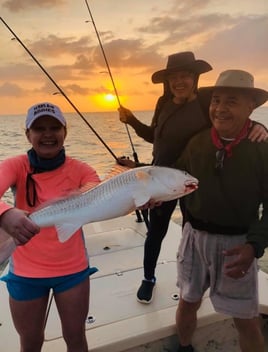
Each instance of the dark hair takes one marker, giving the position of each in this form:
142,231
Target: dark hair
167,95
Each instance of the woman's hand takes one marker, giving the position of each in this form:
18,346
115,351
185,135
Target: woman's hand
125,115
17,224
258,133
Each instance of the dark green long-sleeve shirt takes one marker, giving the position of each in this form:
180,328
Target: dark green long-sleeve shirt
171,129
232,196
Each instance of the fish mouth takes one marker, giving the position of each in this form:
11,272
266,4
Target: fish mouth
191,186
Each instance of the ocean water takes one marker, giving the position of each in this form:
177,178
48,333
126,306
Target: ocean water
82,142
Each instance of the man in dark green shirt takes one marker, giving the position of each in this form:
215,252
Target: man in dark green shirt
179,115
227,217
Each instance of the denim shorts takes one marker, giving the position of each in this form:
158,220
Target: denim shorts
200,265
26,288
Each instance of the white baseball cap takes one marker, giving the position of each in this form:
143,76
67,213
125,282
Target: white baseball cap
44,109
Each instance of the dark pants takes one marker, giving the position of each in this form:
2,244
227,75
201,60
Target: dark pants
159,221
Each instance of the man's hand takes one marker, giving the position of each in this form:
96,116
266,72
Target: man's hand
244,256
125,161
150,205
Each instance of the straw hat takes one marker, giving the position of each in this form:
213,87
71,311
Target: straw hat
239,79
181,61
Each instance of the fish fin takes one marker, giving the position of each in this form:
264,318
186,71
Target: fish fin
141,197
116,170
119,169
77,192
87,187
66,230
140,194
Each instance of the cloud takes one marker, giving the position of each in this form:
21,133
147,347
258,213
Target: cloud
186,8
185,31
222,39
127,53
74,58
53,45
77,89
18,72
242,46
14,90
21,5
11,90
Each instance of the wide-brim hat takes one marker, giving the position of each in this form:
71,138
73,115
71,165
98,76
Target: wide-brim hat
179,62
44,109
236,79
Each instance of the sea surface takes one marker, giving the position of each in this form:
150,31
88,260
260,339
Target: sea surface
98,144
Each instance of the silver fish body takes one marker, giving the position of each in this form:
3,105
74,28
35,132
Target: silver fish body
115,197
112,198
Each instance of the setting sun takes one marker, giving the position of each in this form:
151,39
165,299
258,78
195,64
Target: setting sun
107,101
109,97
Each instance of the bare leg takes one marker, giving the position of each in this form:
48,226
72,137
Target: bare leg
28,318
186,317
250,335
73,306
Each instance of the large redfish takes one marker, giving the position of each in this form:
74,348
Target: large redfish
115,197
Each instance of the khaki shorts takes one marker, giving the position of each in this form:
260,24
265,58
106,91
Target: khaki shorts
200,266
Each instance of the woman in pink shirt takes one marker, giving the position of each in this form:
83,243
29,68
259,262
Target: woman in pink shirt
40,262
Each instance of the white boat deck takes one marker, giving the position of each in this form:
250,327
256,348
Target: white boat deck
117,322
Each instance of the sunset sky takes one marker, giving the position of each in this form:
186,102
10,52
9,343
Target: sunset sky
137,36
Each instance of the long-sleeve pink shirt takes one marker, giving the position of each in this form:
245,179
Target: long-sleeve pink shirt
44,256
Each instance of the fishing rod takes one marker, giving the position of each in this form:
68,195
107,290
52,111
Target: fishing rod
135,156
59,89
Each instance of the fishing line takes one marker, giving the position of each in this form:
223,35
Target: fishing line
135,155
74,107
59,89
